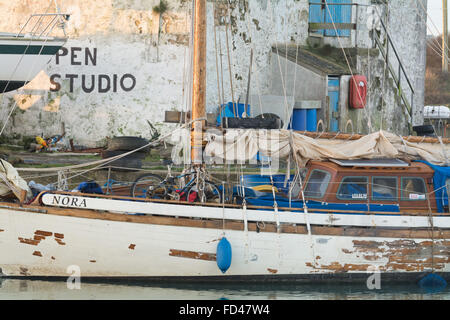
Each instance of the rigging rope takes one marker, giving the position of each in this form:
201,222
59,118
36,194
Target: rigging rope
348,64
256,73
228,26
29,72
286,105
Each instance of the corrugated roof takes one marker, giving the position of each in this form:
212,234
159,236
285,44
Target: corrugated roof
330,62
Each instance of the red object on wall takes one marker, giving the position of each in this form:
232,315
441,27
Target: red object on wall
358,92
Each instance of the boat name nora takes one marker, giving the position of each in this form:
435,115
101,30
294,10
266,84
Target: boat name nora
68,201
101,83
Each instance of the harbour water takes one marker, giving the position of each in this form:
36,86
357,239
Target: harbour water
14,289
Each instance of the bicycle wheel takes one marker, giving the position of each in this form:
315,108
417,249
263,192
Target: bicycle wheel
208,192
148,186
117,188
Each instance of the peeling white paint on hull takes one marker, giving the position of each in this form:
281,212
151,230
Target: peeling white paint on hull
35,244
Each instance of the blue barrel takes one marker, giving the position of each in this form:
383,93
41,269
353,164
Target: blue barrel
299,119
311,120
229,110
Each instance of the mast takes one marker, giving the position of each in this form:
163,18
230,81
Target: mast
445,54
199,82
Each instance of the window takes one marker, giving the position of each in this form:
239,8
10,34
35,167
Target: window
413,189
317,184
331,14
353,188
384,188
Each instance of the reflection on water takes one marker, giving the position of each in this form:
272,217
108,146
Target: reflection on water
49,290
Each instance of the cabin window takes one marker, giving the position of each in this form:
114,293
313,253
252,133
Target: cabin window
384,188
353,188
317,184
413,189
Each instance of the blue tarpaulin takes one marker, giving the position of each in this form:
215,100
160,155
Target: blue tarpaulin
283,202
441,174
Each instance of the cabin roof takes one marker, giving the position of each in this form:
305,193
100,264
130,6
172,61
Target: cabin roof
413,168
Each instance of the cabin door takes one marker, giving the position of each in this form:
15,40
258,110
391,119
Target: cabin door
333,105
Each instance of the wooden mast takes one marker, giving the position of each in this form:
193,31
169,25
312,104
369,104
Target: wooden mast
199,82
445,51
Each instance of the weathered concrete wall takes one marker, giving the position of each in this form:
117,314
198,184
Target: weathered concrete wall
407,25
126,39
298,81
384,108
120,39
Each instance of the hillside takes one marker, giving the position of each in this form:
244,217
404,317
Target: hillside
437,83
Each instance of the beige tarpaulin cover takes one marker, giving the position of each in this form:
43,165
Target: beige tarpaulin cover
243,145
10,181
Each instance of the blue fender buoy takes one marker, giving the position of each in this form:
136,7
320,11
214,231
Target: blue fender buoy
432,283
223,255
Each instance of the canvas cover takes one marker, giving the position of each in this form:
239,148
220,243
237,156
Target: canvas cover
243,144
10,179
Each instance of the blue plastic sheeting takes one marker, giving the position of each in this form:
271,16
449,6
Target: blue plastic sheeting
278,182
230,111
89,187
283,202
441,174
253,180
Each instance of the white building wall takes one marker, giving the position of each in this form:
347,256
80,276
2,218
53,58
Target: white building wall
124,34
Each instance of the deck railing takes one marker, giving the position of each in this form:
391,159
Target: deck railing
396,73
41,25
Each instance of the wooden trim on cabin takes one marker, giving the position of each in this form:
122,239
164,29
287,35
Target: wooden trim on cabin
219,224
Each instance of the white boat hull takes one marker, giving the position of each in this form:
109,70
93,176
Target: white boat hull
37,244
22,60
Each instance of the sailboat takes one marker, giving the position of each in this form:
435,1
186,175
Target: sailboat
324,234
24,54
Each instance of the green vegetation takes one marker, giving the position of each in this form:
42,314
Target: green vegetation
161,8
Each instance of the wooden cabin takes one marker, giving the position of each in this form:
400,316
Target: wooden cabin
396,182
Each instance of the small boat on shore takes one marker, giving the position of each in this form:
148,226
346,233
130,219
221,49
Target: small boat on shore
24,54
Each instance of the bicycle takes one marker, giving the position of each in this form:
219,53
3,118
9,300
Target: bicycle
153,186
113,187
